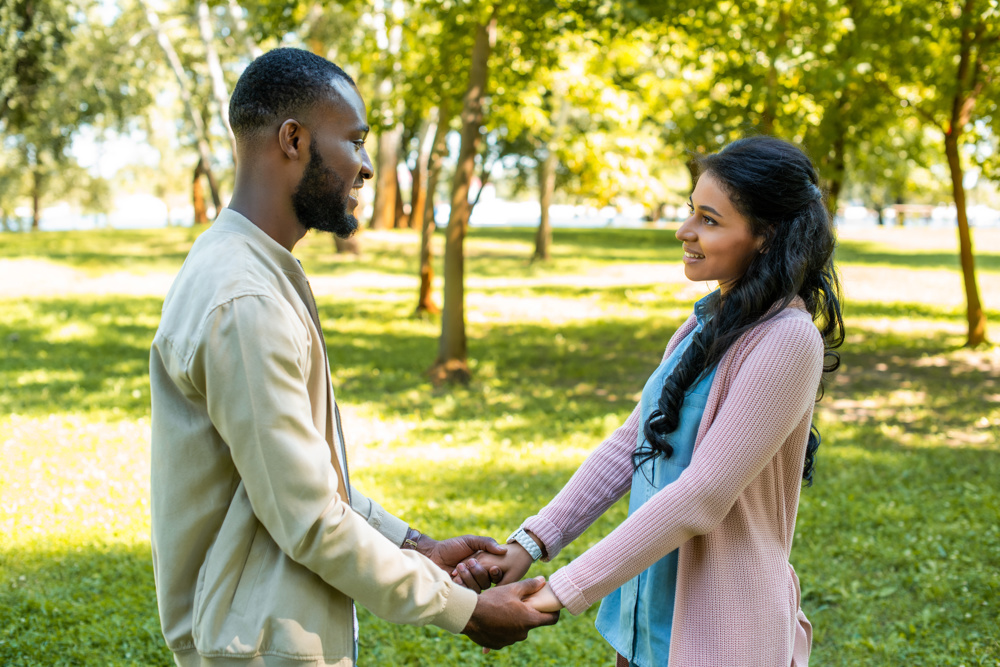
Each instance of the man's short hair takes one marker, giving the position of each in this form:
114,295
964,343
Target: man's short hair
280,84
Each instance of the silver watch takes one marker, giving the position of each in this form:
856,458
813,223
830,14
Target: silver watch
525,540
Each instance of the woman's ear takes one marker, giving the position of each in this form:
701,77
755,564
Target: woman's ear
763,241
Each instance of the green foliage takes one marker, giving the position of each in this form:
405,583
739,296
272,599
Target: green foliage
897,542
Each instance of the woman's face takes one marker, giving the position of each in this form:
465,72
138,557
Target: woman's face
718,244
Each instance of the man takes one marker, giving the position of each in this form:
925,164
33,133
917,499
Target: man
260,543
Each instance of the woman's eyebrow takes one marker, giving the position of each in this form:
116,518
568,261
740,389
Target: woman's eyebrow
705,208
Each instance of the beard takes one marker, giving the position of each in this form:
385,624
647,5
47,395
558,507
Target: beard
320,200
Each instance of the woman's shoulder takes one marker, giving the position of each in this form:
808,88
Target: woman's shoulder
791,325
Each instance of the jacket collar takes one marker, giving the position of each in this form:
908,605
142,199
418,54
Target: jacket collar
231,222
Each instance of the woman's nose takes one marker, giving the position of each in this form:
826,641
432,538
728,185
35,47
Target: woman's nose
684,232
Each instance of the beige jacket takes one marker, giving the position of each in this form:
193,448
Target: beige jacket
257,552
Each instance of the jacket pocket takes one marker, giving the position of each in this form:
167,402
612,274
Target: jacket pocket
250,575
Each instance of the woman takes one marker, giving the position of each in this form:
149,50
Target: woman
715,452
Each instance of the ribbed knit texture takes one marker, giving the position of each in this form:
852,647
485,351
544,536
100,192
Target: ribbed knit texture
731,513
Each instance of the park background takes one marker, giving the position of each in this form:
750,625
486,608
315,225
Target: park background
563,132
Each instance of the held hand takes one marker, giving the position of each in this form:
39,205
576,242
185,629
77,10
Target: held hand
503,617
501,570
545,600
447,554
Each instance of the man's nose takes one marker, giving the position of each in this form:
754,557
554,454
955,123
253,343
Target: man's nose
367,171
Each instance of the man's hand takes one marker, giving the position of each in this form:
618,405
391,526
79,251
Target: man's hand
501,570
502,617
447,554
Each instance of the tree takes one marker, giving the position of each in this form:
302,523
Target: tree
194,113
61,67
451,364
966,36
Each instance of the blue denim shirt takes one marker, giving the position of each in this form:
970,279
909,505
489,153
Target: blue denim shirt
636,619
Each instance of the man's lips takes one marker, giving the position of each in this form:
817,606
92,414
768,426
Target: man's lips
355,195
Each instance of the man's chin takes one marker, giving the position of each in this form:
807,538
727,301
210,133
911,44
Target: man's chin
349,229
343,228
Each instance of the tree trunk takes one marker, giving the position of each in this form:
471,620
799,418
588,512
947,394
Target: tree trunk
975,315
201,134
451,364
963,104
401,220
241,27
219,90
418,191
36,198
198,196
836,172
547,180
386,179
431,163
547,187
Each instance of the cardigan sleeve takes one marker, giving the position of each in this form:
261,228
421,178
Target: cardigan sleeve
773,390
598,483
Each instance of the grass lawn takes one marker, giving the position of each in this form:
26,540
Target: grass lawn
897,543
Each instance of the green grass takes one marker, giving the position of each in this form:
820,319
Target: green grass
897,544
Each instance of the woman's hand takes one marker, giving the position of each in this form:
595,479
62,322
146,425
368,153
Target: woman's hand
502,569
544,600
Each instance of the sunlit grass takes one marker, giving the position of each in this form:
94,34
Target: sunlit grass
897,545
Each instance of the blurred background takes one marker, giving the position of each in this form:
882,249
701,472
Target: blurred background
114,113
578,116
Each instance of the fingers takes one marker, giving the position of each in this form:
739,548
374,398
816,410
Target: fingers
465,577
510,577
494,548
496,574
529,586
550,617
479,573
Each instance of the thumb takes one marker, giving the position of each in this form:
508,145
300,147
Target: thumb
531,586
487,544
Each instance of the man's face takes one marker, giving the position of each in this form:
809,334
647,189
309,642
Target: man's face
327,193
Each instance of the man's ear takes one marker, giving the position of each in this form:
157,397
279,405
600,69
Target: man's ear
293,139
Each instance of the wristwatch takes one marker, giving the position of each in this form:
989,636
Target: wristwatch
526,541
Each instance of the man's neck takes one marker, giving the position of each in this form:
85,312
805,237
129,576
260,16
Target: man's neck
278,222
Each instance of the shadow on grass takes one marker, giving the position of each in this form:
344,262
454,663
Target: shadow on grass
898,310
82,354
82,605
868,253
107,250
898,550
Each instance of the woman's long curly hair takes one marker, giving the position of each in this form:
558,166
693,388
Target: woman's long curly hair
775,187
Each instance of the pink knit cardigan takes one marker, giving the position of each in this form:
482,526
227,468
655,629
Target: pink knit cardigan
731,513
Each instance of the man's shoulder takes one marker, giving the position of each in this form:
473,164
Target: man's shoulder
221,267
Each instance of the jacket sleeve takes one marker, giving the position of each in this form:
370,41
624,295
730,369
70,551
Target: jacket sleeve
251,364
772,392
392,527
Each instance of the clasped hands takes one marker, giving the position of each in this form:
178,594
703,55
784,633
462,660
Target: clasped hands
503,615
